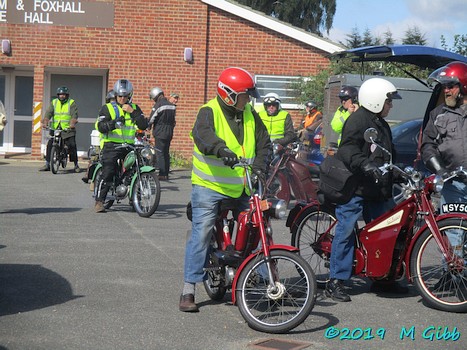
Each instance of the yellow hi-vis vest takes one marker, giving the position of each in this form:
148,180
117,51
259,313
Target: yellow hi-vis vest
274,124
61,113
127,132
210,171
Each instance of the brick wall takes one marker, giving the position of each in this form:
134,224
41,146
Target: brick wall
146,46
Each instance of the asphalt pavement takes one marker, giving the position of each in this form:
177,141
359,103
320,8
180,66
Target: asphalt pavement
73,279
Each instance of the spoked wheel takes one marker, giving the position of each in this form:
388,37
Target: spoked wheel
97,185
215,284
443,286
313,235
146,194
54,159
285,304
64,158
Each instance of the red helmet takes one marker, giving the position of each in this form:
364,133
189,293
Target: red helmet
234,81
452,73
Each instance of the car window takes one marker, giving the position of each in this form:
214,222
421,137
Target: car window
402,128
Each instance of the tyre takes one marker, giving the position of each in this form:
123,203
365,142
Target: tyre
280,308
215,284
54,159
146,194
64,158
97,185
312,234
442,286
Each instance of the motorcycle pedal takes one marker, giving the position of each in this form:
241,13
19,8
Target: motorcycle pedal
212,268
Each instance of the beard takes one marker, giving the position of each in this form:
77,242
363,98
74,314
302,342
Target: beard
451,100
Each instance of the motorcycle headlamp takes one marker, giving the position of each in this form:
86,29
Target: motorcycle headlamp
57,132
277,208
146,153
438,184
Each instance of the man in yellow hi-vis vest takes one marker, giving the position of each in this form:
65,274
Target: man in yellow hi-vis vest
62,111
277,121
117,122
225,129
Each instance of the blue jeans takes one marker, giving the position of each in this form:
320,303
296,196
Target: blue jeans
343,244
454,192
205,205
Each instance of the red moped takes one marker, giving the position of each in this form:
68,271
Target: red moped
411,240
290,177
273,286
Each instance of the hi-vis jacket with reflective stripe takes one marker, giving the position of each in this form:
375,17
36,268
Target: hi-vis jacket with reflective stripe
62,114
209,171
275,124
127,132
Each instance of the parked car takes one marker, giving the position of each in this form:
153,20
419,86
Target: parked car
405,136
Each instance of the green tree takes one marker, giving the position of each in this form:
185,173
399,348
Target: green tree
459,46
314,16
413,36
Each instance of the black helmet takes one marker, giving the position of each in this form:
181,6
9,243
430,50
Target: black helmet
311,104
348,92
110,96
62,90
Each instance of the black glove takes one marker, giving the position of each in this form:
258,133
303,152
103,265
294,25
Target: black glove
436,165
257,175
370,169
228,157
120,120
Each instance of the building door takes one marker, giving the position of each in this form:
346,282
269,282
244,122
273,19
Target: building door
16,91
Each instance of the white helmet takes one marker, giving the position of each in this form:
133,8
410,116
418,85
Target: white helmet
374,92
155,92
271,97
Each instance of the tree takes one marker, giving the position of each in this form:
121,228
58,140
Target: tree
459,46
413,36
314,16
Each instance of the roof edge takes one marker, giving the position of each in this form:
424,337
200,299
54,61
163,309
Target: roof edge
275,25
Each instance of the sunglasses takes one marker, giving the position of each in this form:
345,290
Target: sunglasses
449,85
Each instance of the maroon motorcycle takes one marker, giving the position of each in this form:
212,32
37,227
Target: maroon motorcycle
411,240
290,177
273,286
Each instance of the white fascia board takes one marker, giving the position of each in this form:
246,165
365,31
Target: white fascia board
275,25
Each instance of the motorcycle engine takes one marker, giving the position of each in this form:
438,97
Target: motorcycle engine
121,191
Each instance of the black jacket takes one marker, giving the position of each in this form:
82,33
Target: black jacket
355,152
162,119
209,144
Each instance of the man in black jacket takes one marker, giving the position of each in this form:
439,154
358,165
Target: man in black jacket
371,198
162,119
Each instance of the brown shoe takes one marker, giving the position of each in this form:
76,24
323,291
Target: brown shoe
163,178
187,303
99,207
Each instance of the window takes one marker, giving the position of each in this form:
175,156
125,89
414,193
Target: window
281,85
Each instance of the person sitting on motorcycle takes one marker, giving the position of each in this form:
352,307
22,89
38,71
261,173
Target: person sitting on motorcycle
443,140
110,97
62,111
277,121
225,129
312,120
373,194
117,122
349,104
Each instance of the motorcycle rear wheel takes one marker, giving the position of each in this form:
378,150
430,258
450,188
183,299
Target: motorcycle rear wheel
442,287
55,160
306,234
279,309
146,194
97,183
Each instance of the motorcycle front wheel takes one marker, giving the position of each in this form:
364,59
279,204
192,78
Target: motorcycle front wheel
279,306
312,234
442,286
55,159
146,194
97,184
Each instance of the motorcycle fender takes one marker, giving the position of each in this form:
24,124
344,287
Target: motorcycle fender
299,208
98,166
251,257
143,169
419,232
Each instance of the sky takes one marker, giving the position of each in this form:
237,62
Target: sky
432,17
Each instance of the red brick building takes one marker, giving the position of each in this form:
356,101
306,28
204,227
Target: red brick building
87,46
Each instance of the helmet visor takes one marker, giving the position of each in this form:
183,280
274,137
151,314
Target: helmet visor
253,92
394,95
